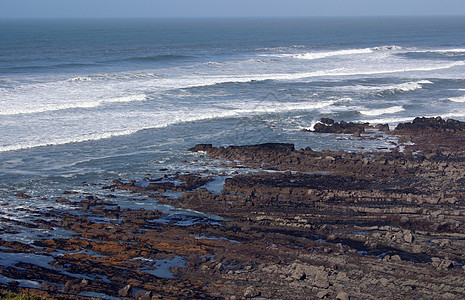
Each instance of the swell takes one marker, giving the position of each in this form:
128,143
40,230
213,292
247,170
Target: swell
460,99
157,58
46,67
208,81
192,82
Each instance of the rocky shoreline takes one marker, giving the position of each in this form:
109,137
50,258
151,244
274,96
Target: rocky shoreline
301,224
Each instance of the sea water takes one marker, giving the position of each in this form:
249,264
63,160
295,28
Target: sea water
89,101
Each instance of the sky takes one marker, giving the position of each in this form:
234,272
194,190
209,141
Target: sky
225,8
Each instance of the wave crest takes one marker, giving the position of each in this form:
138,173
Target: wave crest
87,104
382,111
318,55
409,86
460,99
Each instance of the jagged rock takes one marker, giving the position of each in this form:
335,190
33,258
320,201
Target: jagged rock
442,264
322,294
71,286
424,125
146,296
126,291
382,127
48,287
322,281
342,296
23,196
329,126
251,292
395,258
408,237
201,147
63,200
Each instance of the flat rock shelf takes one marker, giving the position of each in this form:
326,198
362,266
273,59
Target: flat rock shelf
285,224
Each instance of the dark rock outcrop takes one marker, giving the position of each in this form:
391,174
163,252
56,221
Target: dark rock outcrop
329,126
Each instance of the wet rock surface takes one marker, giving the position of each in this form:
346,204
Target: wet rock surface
327,125
299,224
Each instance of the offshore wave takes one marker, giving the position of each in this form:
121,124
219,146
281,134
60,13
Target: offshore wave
409,86
382,111
282,49
112,76
460,99
194,82
458,50
43,67
319,55
329,73
401,87
156,58
84,138
86,104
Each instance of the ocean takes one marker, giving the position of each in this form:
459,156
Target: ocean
84,102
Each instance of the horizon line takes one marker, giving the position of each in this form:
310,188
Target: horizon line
230,17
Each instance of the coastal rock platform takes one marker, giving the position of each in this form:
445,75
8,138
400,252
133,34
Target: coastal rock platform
288,224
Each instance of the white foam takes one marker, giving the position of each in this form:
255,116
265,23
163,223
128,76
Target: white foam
458,50
411,69
79,139
278,107
382,111
403,87
99,126
53,96
75,105
319,55
409,86
388,48
327,73
80,78
393,121
460,99
324,54
388,120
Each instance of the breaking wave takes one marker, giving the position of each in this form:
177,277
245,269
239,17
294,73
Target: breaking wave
460,99
401,87
319,55
382,111
85,104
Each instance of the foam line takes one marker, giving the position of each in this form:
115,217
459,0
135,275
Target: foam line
85,104
382,111
460,99
324,54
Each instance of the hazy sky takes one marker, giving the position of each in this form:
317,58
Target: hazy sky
226,8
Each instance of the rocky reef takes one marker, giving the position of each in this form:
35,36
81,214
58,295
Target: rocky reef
290,224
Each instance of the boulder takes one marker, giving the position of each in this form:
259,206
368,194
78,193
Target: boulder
329,126
126,291
342,296
251,292
408,238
